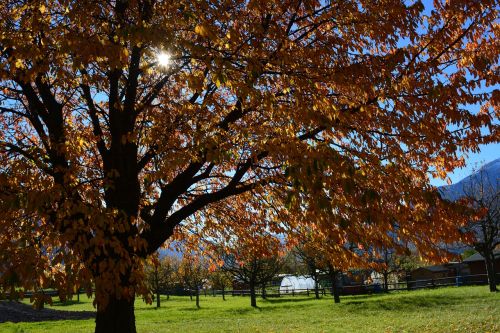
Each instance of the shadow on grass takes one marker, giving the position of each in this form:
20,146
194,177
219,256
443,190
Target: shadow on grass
67,303
375,302
17,312
405,303
290,300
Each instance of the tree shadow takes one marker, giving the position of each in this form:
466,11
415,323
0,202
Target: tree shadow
242,311
290,300
66,303
404,303
16,312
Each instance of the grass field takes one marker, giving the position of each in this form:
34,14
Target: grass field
465,309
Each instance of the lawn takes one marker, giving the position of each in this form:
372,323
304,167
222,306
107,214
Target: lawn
465,309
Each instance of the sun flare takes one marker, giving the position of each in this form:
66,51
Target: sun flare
164,59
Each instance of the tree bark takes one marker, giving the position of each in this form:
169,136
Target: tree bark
158,298
223,294
198,298
316,288
386,283
490,271
335,289
253,298
263,291
117,317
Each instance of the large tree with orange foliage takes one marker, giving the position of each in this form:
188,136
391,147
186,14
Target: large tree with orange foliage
122,120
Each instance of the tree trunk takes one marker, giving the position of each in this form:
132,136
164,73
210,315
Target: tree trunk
335,289
223,294
117,317
490,271
386,283
263,291
316,288
198,298
253,298
157,283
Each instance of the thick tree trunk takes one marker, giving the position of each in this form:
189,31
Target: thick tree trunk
223,294
253,298
316,289
490,271
158,298
117,317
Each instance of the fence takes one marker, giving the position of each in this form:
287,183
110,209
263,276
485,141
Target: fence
360,289
458,281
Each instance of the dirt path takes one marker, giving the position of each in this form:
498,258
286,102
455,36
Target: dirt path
18,312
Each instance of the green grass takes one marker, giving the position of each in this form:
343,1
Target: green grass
465,309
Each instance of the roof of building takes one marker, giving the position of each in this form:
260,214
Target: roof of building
478,257
435,268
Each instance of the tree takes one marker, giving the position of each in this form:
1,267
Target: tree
395,261
124,120
312,261
161,276
193,272
219,280
334,274
253,271
483,195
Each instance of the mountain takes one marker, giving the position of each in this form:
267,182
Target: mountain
488,175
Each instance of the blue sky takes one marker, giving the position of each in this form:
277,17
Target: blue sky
487,154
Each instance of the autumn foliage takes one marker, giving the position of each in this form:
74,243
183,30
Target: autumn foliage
275,114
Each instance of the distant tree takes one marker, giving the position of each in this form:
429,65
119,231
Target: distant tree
467,253
393,261
293,265
482,194
254,271
193,273
312,260
219,279
161,276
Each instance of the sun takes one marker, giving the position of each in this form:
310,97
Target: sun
164,59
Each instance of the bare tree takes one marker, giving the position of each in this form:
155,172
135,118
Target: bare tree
483,195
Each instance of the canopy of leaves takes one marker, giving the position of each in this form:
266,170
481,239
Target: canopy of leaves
272,115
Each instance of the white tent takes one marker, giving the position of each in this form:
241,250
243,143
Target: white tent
296,283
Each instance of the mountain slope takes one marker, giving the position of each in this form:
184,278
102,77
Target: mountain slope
488,174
